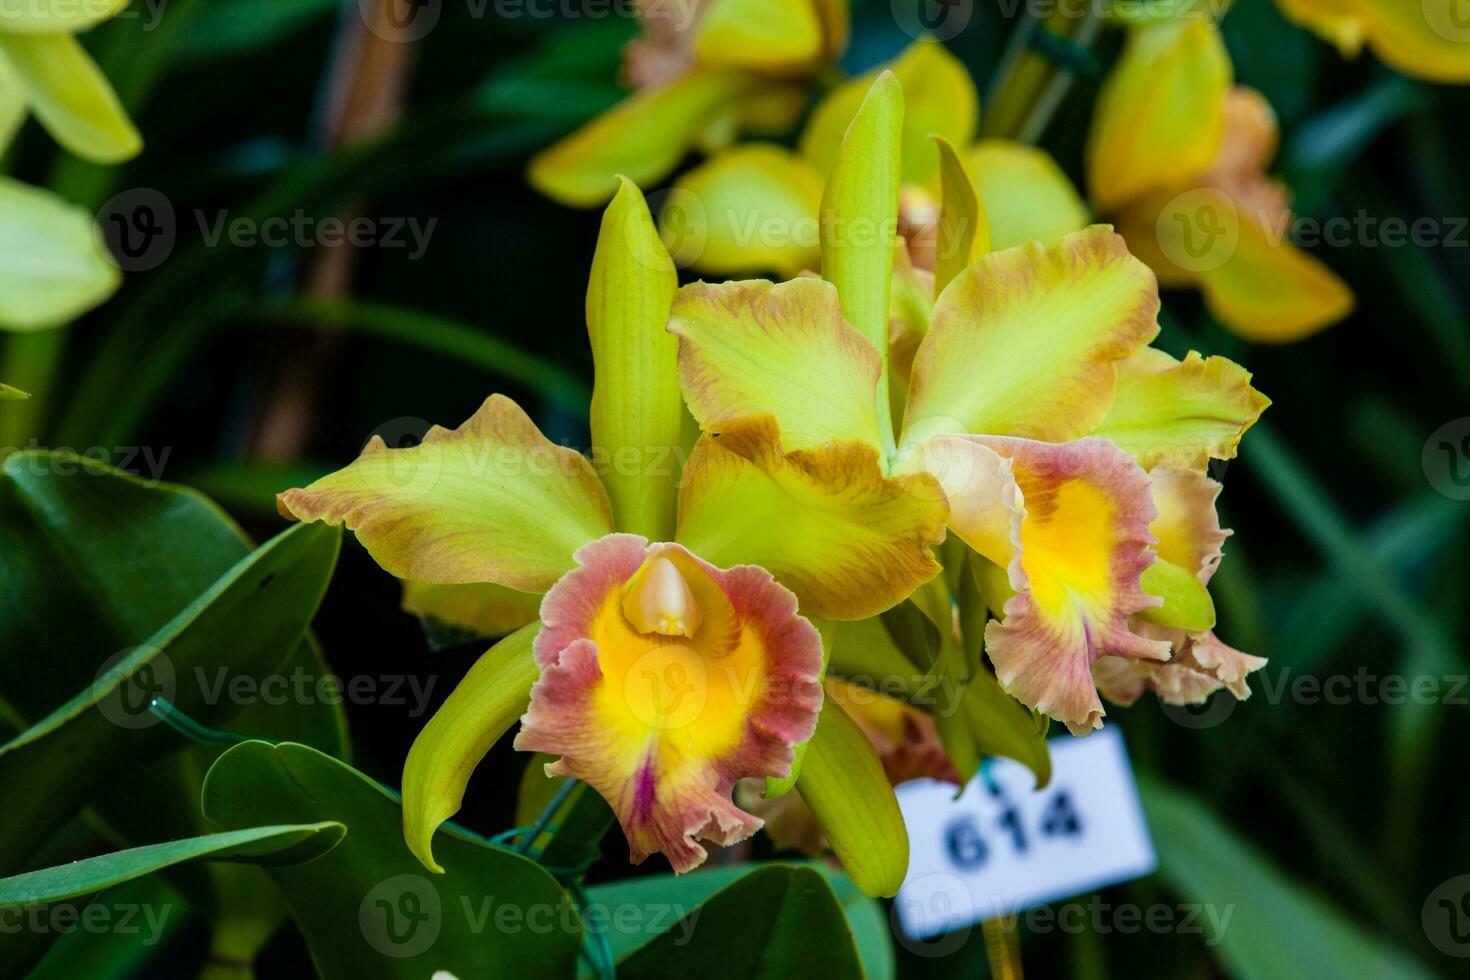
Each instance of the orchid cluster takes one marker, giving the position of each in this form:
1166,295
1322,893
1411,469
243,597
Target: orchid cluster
46,73
1023,480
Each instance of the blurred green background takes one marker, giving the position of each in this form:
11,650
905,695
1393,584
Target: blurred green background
1327,825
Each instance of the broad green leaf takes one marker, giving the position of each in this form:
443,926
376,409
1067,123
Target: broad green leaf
964,229
1277,930
71,97
843,783
490,699
859,222
775,921
641,138
59,16
285,845
637,414
1187,603
52,264
367,909
681,895
149,551
247,623
114,954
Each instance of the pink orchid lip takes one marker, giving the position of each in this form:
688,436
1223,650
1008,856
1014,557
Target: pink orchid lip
664,720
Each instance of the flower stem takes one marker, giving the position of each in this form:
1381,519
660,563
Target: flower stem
1030,84
1002,947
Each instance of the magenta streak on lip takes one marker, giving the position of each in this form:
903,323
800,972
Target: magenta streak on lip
643,791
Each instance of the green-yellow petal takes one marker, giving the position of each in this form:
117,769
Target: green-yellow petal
1027,198
1024,342
1181,414
1161,114
843,783
481,608
825,521
71,97
770,36
749,209
491,501
753,348
482,708
963,233
52,264
1427,39
59,16
939,98
859,223
12,104
643,137
1187,604
637,413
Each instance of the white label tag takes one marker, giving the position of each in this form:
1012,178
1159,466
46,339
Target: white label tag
1002,847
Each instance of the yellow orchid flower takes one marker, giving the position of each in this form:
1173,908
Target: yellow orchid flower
1177,159
669,659
754,207
1032,398
45,70
1427,39
703,71
51,267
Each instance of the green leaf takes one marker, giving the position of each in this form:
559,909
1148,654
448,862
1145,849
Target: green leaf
491,698
295,844
1277,929
115,954
71,97
1187,603
367,909
59,16
843,783
52,266
148,551
775,921
859,221
248,622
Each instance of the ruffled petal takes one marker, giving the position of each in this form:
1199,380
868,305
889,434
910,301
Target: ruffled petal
491,501
847,540
1181,414
663,725
1024,342
751,348
1187,528
1069,523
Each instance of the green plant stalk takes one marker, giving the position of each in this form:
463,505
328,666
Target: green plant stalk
1027,82
30,363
